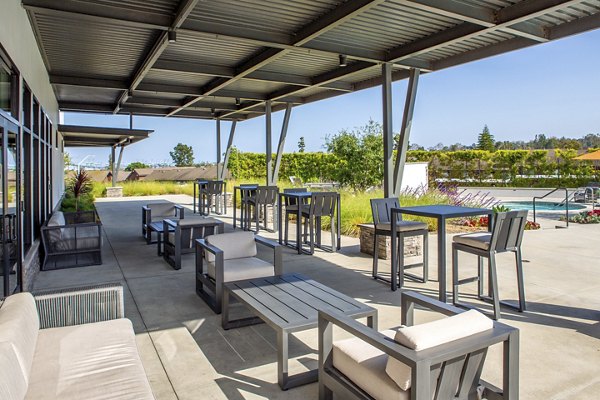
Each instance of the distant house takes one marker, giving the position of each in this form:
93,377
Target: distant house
173,174
99,175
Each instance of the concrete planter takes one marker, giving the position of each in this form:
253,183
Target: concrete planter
413,246
114,191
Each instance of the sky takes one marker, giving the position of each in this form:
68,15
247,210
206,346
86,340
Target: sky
551,88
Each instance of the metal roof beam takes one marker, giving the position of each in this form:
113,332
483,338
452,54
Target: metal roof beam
328,21
482,16
99,83
224,72
184,10
504,18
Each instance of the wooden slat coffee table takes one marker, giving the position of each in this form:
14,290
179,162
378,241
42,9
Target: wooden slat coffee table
290,303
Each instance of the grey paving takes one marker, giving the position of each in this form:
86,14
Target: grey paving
187,355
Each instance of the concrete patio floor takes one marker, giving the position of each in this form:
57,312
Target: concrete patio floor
187,355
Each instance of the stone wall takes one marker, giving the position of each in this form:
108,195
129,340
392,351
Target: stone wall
413,246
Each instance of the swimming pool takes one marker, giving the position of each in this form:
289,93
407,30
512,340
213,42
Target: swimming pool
541,205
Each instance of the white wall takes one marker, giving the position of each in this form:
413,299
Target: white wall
18,40
415,176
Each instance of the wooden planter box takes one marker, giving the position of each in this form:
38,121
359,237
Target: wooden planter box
413,246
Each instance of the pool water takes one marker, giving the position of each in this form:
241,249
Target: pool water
541,206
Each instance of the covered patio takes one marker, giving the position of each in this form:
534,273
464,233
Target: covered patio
188,355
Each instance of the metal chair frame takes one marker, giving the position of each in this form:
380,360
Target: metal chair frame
322,204
265,196
380,209
213,190
185,234
507,235
290,208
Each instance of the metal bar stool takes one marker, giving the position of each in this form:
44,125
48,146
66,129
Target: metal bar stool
291,208
382,218
507,235
322,204
265,196
212,190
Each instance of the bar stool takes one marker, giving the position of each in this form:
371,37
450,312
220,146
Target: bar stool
322,204
291,208
212,190
507,235
247,194
265,197
380,209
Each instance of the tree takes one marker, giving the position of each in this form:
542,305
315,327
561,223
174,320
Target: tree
182,155
67,159
301,145
485,140
136,165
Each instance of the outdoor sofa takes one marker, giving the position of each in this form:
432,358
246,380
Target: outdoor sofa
72,239
69,345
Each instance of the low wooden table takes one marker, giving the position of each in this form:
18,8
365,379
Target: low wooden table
290,303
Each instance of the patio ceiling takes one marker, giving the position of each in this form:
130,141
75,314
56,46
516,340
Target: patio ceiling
230,56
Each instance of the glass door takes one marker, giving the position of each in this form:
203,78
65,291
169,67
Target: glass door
10,207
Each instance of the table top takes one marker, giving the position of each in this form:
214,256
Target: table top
247,186
157,226
291,301
443,210
295,194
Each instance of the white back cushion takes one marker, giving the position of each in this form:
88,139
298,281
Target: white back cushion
13,384
431,334
234,245
19,326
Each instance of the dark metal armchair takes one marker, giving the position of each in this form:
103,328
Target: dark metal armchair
450,370
181,235
156,212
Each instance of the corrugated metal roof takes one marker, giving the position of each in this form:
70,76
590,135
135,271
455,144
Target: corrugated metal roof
232,55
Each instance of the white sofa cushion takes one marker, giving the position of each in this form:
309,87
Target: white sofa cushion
431,334
19,326
13,384
233,245
242,268
365,365
97,361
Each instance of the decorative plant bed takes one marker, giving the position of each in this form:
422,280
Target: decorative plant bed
413,246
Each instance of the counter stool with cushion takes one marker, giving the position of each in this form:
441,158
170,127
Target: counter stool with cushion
438,360
506,235
322,204
265,198
231,257
380,208
291,208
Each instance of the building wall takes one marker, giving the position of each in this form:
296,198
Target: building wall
18,40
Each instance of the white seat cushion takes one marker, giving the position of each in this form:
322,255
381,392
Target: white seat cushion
13,384
479,240
233,245
19,326
365,365
431,334
242,268
97,361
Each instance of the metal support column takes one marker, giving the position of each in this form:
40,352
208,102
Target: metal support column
269,147
219,167
388,133
116,171
112,162
227,151
409,107
282,136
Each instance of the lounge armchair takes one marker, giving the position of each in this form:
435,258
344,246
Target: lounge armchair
182,235
231,257
72,240
156,212
440,360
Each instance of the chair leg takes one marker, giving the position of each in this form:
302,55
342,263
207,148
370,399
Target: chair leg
375,255
333,243
454,275
494,286
287,223
318,231
520,280
256,216
311,223
480,273
400,276
425,257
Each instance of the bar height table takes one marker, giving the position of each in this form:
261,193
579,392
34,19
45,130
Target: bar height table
299,196
441,213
